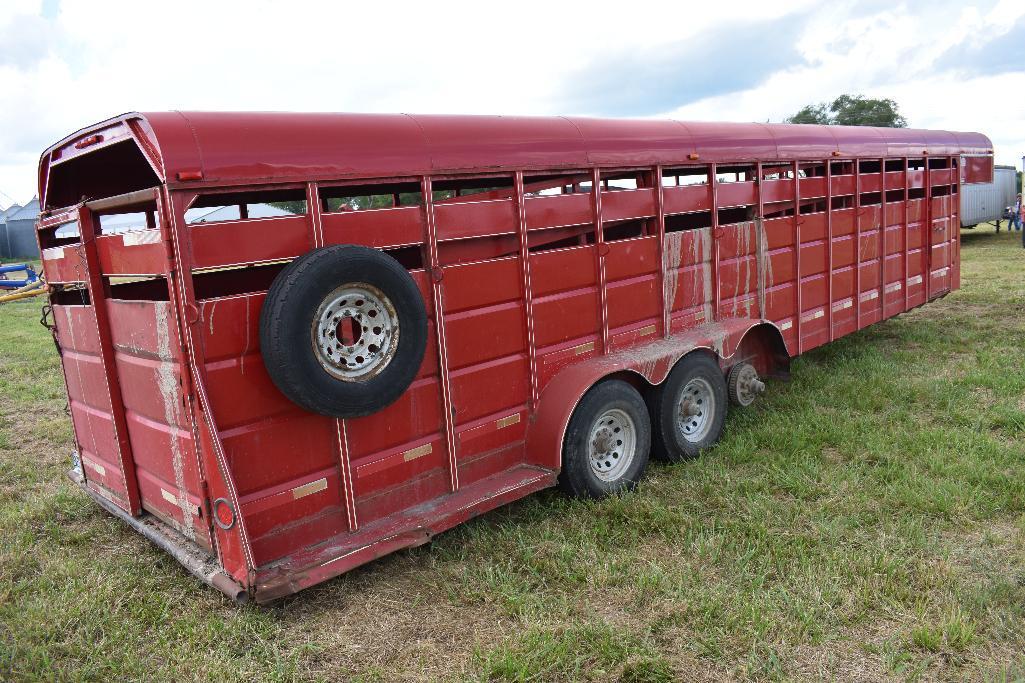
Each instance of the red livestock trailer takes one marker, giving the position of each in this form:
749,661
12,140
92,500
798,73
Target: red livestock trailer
294,343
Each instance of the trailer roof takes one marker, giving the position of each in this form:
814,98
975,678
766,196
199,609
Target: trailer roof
251,147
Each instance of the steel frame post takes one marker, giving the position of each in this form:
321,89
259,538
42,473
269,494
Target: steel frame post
798,294
178,237
316,229
829,247
881,251
435,274
87,226
907,241
760,239
857,244
528,308
714,234
313,216
927,232
660,220
955,225
600,249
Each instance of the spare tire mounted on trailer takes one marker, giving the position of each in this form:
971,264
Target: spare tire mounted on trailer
343,330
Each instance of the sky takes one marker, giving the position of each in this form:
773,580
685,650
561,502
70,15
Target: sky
64,64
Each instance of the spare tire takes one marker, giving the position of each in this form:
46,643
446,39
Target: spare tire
343,330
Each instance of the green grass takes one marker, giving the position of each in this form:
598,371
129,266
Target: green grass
864,521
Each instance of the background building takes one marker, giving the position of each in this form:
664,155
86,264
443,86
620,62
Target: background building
18,231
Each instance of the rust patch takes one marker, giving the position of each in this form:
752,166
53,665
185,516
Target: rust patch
213,309
168,386
706,273
672,256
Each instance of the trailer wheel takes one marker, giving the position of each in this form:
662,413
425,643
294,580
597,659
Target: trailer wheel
689,408
743,385
607,442
343,330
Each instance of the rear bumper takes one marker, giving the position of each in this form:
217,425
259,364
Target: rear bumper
192,557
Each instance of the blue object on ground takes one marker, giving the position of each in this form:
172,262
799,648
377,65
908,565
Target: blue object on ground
30,275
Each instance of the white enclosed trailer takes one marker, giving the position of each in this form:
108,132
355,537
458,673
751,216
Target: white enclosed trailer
987,202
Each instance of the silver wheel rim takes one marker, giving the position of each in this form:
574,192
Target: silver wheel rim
355,332
695,410
612,444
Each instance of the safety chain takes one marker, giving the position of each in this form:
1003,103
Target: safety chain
45,320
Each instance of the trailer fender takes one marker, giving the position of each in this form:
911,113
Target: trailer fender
763,347
649,363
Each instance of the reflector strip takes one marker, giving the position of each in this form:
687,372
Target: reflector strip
414,453
584,348
53,254
130,239
309,489
507,421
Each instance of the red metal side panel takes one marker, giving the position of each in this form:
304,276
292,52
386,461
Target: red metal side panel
738,270
811,188
132,253
149,365
686,199
777,191
558,210
374,228
64,264
89,401
870,182
284,460
634,286
977,169
626,204
399,455
565,295
688,255
736,194
474,218
256,240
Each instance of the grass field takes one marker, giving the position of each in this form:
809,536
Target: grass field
865,521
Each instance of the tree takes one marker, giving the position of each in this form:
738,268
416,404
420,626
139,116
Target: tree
852,110
812,113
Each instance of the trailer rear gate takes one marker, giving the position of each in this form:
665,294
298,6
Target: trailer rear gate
556,252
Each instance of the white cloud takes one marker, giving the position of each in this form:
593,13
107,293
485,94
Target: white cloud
97,58
892,53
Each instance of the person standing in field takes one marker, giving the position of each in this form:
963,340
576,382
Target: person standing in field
1014,220
1020,216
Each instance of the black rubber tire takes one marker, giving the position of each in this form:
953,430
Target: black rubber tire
668,441
286,322
577,478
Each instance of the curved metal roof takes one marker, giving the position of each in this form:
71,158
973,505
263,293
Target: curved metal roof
229,148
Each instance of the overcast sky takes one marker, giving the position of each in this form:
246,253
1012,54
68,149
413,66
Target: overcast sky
68,63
